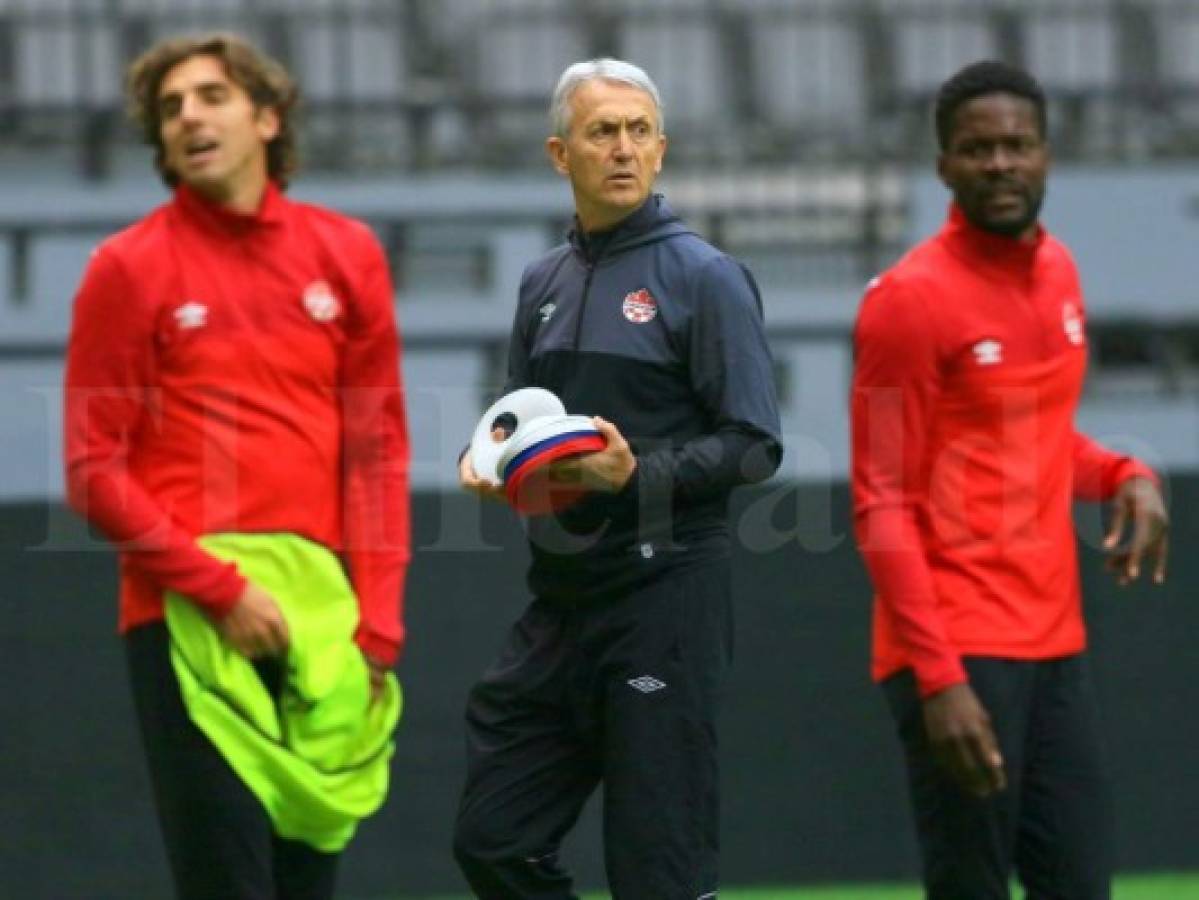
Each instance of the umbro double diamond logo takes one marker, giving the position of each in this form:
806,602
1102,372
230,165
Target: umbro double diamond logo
988,352
647,684
191,315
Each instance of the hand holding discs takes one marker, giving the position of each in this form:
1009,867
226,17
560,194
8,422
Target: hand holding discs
541,434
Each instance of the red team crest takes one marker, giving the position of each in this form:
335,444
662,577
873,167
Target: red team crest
640,306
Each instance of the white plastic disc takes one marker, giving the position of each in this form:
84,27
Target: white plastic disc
524,405
543,428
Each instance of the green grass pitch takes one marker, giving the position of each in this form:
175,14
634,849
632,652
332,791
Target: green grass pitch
1128,887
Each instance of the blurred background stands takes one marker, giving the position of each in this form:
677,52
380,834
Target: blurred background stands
800,140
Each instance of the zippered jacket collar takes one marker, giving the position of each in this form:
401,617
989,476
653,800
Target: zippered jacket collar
653,221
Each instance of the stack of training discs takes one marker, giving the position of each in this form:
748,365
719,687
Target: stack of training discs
526,461
543,434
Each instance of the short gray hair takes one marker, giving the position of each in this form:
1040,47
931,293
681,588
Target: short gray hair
609,70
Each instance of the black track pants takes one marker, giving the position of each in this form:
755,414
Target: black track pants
1053,824
621,692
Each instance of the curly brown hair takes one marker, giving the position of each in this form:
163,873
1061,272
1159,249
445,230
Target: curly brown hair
264,79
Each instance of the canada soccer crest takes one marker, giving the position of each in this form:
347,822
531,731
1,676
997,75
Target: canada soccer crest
639,307
320,302
1072,324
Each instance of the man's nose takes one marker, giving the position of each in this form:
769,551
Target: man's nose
624,144
1000,159
189,108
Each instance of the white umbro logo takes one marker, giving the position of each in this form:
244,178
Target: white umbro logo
647,684
988,352
547,310
191,315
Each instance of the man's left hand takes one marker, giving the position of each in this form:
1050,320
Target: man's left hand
1138,504
606,470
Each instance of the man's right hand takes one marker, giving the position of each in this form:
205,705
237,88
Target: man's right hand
255,627
469,479
959,730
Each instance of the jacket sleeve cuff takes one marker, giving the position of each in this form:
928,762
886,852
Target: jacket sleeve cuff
631,486
1130,467
219,600
377,648
933,680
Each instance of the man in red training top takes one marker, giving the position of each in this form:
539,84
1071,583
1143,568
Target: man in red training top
970,355
233,366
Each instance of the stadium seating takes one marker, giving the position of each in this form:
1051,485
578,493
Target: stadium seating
809,81
61,60
1176,34
931,41
686,55
1075,52
468,80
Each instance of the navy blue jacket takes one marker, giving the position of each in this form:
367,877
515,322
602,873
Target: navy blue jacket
659,332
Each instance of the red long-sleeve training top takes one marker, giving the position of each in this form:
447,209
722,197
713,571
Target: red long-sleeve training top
969,360
240,373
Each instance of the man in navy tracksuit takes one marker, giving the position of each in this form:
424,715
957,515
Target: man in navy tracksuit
613,672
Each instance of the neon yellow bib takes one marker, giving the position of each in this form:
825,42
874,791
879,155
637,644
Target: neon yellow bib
317,757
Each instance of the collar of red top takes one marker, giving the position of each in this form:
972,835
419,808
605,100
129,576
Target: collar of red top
971,241
199,207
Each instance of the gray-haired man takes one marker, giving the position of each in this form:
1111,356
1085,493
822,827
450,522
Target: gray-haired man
612,674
